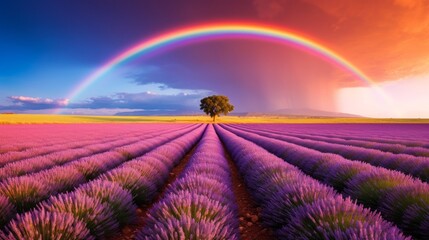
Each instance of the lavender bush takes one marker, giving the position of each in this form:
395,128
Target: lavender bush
7,210
336,218
46,225
141,189
24,192
97,216
118,199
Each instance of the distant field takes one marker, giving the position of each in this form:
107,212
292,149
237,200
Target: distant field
39,119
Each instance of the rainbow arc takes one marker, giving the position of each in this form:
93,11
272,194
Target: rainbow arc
188,35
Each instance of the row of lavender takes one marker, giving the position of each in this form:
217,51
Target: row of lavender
297,206
386,147
98,209
68,140
410,135
44,162
416,133
342,139
200,204
23,193
412,165
399,198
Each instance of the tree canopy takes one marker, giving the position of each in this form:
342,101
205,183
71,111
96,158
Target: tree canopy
215,105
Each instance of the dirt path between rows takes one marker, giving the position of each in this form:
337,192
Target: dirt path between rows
251,227
128,232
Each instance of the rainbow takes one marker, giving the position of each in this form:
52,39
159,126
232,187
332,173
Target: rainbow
205,32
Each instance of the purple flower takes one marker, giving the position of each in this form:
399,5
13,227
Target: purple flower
24,192
185,227
60,179
117,198
90,168
336,218
370,187
142,190
341,172
97,216
42,224
279,208
193,207
7,210
94,165
409,207
203,186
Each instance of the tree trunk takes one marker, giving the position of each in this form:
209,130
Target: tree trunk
214,118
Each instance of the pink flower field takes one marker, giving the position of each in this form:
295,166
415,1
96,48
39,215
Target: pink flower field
214,181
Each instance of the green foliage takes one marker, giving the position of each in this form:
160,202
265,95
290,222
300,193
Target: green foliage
215,105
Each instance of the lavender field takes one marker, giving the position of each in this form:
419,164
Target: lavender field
214,181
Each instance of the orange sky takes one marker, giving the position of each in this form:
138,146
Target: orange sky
387,39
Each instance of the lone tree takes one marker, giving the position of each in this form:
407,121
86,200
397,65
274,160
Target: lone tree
215,105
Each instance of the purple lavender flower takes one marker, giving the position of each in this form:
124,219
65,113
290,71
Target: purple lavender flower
341,172
117,198
370,187
142,190
24,192
90,168
202,185
46,225
185,227
408,206
151,168
60,179
278,209
7,210
335,217
97,216
200,209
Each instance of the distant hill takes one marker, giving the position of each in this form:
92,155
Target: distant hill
289,112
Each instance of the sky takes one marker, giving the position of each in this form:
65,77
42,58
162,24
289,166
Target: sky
48,47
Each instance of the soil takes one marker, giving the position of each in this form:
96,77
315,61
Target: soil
251,227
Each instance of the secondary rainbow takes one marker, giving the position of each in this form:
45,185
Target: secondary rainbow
205,32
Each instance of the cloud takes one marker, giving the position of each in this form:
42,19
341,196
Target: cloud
25,102
119,102
143,100
80,111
